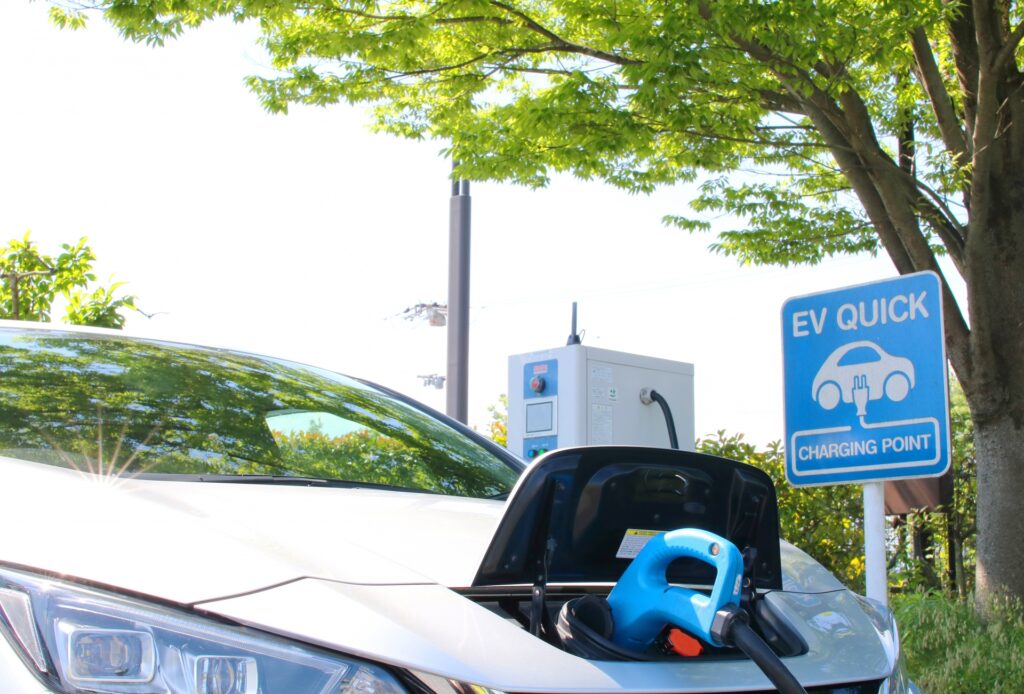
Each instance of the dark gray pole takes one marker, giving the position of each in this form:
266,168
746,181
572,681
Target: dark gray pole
457,396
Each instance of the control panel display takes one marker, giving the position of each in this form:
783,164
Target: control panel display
540,417
540,407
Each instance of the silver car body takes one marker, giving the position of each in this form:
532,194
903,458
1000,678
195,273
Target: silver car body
377,574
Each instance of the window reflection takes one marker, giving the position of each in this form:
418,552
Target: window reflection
137,406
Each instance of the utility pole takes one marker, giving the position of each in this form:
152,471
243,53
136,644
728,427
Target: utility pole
457,395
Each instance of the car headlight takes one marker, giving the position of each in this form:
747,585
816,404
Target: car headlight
83,640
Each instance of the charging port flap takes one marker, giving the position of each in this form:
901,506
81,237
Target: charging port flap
583,514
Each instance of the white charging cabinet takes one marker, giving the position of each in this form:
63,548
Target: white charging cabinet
577,395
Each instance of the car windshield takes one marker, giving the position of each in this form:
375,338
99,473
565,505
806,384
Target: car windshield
118,406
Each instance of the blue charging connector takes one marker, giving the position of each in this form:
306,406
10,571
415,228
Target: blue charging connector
643,602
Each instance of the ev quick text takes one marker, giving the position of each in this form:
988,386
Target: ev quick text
862,314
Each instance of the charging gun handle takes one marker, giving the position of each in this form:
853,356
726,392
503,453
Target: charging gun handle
643,602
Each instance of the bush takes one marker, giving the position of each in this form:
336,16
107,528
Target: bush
950,649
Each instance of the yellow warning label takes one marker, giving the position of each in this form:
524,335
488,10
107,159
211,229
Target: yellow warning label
633,541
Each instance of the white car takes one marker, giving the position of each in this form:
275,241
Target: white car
862,365
180,519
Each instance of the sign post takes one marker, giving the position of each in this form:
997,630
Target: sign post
866,393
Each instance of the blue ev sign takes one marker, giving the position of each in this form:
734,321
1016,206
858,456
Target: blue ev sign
865,383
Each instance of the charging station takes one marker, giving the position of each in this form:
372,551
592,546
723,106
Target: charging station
577,396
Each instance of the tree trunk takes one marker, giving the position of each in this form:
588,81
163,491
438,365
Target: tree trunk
994,379
1000,454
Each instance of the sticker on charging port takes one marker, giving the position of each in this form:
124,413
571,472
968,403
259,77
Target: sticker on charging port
633,541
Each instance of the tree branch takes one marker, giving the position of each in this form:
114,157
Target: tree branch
442,21
396,74
986,29
474,20
854,171
760,142
1009,49
981,161
849,132
509,54
931,80
561,43
965,54
370,15
781,103
948,222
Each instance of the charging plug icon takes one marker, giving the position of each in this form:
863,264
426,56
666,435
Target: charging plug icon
860,394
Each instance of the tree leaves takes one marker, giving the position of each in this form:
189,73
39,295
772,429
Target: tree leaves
637,95
31,281
788,222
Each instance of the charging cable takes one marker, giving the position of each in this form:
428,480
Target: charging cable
731,626
649,395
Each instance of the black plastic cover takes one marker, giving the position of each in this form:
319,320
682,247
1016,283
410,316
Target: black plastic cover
576,504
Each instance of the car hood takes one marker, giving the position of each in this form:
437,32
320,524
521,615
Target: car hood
211,540
333,567
215,540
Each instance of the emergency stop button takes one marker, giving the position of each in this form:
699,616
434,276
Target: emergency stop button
538,384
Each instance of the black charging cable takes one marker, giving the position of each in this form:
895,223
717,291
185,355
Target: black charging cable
585,627
649,395
731,626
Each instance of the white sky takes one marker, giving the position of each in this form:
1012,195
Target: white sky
303,236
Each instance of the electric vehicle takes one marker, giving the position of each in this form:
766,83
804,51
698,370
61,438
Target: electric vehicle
183,519
880,373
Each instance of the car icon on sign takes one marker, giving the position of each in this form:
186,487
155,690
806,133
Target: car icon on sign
862,364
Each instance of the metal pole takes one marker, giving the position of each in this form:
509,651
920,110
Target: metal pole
457,395
875,569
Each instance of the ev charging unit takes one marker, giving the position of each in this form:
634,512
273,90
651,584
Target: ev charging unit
578,396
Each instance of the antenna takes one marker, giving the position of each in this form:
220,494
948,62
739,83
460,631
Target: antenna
574,337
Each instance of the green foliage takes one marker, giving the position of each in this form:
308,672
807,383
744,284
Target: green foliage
67,18
625,91
949,533
825,522
950,649
100,307
497,428
360,455
31,281
794,221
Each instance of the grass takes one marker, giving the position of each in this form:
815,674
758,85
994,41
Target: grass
949,649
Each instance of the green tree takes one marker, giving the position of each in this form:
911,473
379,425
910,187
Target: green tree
363,455
892,124
32,281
